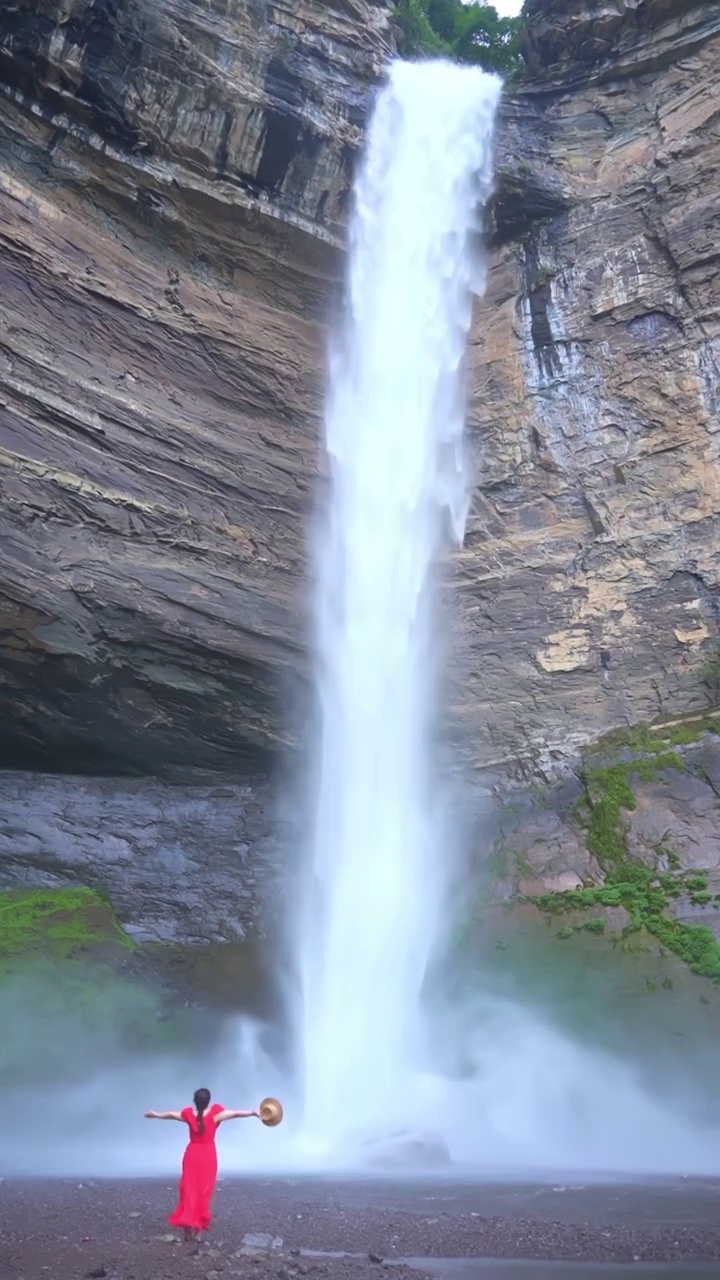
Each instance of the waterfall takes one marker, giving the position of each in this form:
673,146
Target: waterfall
398,492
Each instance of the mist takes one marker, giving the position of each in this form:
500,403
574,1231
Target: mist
503,1090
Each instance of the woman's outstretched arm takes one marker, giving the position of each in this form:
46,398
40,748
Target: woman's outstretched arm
163,1115
235,1115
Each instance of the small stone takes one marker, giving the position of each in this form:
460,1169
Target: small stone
96,1273
135,1214
260,1242
375,1257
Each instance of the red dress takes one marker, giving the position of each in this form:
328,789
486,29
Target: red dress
199,1172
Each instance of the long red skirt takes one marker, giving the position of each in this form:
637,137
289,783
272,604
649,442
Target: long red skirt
197,1184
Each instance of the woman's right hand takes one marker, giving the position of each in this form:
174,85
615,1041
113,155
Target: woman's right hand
150,1115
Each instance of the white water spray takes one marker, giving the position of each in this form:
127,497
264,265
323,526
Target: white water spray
399,487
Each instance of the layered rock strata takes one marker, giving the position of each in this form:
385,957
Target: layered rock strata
173,184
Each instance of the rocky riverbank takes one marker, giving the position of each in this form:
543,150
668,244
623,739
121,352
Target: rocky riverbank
114,1230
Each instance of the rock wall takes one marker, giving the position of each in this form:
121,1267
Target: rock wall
173,180
544,842
588,588
189,866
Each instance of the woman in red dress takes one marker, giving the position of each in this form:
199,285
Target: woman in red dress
200,1164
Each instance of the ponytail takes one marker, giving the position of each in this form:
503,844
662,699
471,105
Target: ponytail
201,1098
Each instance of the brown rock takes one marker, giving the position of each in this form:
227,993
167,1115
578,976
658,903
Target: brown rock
173,183
171,179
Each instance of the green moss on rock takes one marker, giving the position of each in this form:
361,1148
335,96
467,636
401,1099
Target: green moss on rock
56,924
609,792
695,944
638,888
654,739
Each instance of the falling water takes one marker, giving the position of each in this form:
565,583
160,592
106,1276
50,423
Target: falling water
398,490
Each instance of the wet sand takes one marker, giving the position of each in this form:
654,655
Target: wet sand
117,1230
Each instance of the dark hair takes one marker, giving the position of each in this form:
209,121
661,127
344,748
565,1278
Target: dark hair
201,1098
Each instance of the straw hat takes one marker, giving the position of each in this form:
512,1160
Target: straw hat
271,1112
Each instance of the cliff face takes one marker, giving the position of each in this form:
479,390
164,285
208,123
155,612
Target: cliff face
173,180
193,866
589,583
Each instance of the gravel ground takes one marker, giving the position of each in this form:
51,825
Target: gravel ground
66,1230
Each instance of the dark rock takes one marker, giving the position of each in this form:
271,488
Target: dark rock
181,865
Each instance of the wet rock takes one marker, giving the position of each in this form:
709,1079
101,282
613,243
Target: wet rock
180,864
676,816
255,1242
538,849
706,759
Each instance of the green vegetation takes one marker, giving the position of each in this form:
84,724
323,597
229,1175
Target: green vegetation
55,924
645,897
695,944
68,983
654,739
608,791
596,925
638,888
472,33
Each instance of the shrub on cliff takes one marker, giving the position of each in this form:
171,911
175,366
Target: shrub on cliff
467,32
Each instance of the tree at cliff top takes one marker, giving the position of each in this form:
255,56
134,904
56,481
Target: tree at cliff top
467,32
